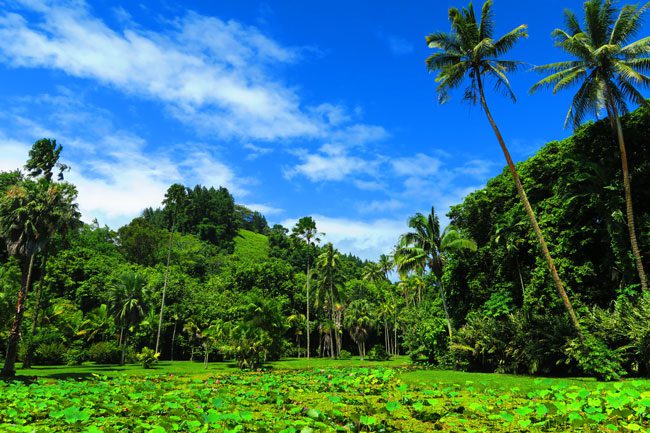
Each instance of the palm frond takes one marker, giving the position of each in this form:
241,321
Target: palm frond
632,93
443,41
506,42
637,48
555,78
486,28
642,64
501,81
571,22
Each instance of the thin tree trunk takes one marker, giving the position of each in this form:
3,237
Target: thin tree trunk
444,307
126,337
162,302
395,329
616,125
9,369
29,355
308,278
529,212
173,339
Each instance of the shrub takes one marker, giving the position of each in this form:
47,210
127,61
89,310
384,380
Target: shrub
595,358
105,352
76,354
50,354
378,353
247,345
426,334
148,357
344,354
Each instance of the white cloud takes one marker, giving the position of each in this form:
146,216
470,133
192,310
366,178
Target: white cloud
256,151
365,239
378,206
208,72
418,165
264,209
332,163
14,154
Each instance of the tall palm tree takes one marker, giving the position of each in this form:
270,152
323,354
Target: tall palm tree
31,212
328,263
175,199
608,65
425,248
470,50
127,298
305,231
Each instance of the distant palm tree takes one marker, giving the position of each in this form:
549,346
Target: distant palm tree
305,231
425,248
608,66
127,297
328,263
470,50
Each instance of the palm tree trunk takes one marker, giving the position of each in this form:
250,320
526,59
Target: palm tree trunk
529,212
9,369
308,278
521,280
162,302
616,125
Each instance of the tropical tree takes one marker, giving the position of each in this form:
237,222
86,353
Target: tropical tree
127,298
328,263
305,231
607,66
359,319
175,199
425,248
31,211
470,50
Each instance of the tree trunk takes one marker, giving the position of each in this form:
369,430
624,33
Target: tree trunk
126,337
529,212
162,302
308,278
173,339
444,307
9,369
29,354
615,121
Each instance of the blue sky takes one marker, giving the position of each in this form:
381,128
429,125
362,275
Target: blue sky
298,108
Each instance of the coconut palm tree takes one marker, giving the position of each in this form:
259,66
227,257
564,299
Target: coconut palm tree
31,212
470,51
425,248
305,231
608,66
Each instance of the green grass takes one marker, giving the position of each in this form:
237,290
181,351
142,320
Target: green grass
196,369
506,382
251,246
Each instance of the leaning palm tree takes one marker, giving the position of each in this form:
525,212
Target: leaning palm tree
425,248
470,51
608,66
